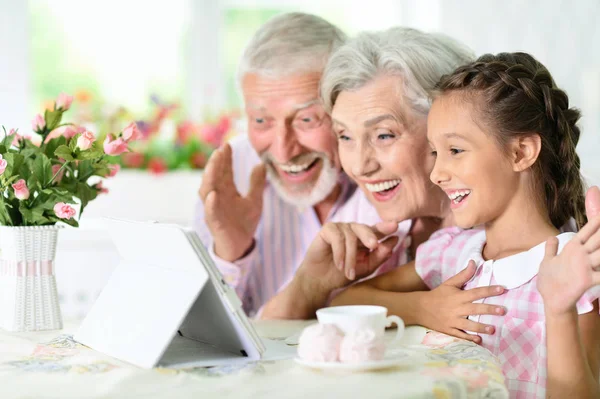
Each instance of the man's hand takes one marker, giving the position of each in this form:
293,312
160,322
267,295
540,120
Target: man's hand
231,218
446,308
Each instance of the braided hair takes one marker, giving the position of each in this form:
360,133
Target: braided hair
520,97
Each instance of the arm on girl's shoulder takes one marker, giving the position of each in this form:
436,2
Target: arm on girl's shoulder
423,273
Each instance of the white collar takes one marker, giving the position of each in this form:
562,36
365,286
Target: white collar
515,270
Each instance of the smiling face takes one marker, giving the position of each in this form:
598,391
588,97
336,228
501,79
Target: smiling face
383,147
470,165
291,131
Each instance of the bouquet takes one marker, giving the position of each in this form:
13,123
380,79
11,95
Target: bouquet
46,175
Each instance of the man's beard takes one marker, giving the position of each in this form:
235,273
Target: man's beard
304,198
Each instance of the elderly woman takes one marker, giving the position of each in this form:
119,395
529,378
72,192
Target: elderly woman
377,88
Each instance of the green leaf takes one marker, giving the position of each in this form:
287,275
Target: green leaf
30,148
84,170
34,216
7,140
52,119
85,193
3,149
73,142
42,170
52,145
25,170
89,154
12,207
55,196
14,163
64,152
5,219
12,179
70,222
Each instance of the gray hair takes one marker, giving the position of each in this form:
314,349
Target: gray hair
290,43
420,58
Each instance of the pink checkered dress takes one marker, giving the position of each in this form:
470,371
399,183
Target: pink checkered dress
520,338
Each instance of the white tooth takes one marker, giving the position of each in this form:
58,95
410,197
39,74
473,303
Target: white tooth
294,168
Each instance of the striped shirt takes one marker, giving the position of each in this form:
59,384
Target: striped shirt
284,234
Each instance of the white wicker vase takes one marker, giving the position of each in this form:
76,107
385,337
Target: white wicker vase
28,295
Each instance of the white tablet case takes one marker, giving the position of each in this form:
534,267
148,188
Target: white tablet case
167,305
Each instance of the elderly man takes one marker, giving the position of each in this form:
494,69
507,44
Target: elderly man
265,196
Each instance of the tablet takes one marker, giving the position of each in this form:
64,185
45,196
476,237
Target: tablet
166,304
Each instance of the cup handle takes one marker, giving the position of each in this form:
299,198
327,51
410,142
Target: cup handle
398,322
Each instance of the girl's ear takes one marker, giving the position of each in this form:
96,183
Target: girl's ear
525,151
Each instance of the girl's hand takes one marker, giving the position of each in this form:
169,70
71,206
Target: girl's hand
564,278
446,308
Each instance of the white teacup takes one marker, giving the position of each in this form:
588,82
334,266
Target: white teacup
351,318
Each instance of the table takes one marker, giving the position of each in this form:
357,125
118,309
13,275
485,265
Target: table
51,365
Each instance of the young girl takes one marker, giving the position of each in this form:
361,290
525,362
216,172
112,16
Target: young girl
504,139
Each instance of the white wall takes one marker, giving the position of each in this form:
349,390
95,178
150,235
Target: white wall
564,35
14,65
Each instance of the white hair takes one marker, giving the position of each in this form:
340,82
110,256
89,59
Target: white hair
420,58
289,44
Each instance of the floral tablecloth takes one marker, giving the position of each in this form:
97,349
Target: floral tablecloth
51,365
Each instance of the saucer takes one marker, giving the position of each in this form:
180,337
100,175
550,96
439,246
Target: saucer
363,366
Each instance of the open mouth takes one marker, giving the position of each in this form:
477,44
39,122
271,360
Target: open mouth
298,169
300,172
458,197
383,191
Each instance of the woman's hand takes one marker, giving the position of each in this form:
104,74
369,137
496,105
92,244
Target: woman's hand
340,253
343,252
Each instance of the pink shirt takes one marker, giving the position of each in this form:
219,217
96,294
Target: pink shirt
520,338
283,234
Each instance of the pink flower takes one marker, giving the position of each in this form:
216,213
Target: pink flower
198,160
55,169
64,101
133,160
16,137
100,187
3,164
85,141
114,147
114,169
157,166
21,190
38,123
131,132
72,131
66,131
64,211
